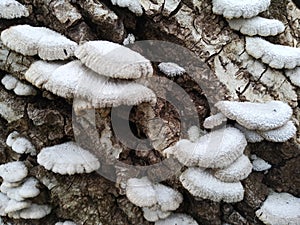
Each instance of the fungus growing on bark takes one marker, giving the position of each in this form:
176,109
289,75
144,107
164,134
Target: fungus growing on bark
294,76
113,60
141,192
280,134
214,120
235,9
34,211
153,213
46,43
217,149
257,26
133,5
171,69
11,9
40,71
13,171
12,83
68,222
251,135
194,133
238,170
280,208
20,144
201,183
177,219
257,116
276,56
14,205
3,204
75,80
67,158
259,164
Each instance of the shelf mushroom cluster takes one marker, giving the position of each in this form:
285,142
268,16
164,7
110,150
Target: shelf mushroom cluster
242,16
258,121
17,189
157,200
216,164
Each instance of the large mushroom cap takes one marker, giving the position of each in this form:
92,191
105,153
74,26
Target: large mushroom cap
113,60
13,171
216,149
68,158
201,183
257,116
280,208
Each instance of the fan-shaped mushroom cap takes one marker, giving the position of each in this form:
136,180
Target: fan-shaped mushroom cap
141,192
251,135
235,9
238,170
177,219
257,116
214,120
10,9
201,183
9,82
13,171
46,43
167,198
280,208
113,60
40,72
153,214
67,158
171,69
11,138
21,145
217,149
14,205
276,56
22,89
259,164
280,134
76,80
257,26
35,211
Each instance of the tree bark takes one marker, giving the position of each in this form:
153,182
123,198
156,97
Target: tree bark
46,119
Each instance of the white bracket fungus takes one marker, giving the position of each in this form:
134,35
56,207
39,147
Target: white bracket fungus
194,133
251,135
171,69
12,83
14,205
244,8
40,72
13,171
75,80
280,208
201,183
113,60
34,211
177,219
259,164
133,5
10,9
238,170
141,192
217,149
3,204
257,116
294,76
280,134
257,26
68,222
276,56
20,144
214,120
153,214
67,158
46,43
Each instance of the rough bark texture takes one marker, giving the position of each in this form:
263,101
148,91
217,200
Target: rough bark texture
46,119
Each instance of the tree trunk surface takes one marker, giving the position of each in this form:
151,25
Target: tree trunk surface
230,73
